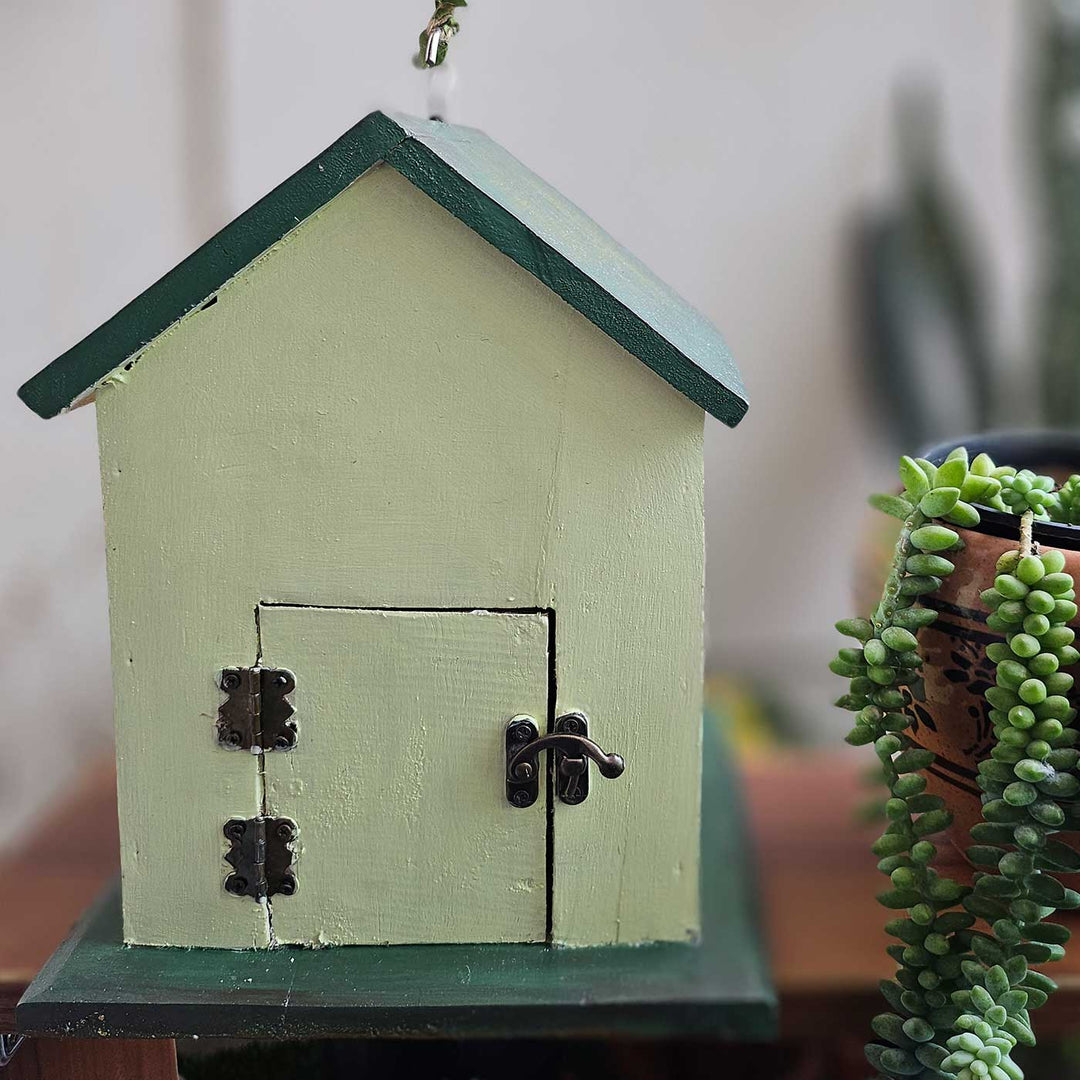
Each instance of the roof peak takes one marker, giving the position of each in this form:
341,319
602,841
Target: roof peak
485,187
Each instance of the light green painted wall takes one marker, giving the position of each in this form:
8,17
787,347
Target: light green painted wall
384,411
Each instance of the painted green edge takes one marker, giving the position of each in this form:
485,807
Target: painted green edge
376,138
424,168
203,272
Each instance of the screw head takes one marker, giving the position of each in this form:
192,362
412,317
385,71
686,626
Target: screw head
522,799
281,679
234,830
287,885
571,725
282,742
234,738
230,680
521,733
284,831
235,884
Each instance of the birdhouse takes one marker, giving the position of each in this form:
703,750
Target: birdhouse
402,478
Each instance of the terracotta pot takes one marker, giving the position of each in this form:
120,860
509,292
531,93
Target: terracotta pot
953,720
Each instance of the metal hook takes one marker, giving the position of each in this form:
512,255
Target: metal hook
8,1045
431,52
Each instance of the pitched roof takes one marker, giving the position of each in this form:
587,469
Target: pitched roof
491,192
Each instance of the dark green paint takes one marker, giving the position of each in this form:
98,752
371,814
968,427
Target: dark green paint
94,985
202,273
487,189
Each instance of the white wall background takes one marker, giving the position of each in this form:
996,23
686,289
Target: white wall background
727,144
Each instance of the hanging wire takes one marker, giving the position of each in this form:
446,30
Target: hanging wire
435,37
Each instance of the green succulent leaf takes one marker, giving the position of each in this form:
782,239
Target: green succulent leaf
893,505
951,473
939,501
913,478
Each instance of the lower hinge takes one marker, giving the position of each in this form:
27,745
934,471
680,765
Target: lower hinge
256,713
261,853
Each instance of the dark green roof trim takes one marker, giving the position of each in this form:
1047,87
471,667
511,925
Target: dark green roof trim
203,272
488,190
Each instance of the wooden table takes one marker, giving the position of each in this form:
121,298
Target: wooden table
816,881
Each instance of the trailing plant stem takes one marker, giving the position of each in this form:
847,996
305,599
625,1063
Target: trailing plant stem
886,608
1026,522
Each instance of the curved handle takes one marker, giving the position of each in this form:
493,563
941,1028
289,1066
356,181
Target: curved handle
522,766
572,750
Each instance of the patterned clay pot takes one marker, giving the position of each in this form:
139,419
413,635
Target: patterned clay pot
953,721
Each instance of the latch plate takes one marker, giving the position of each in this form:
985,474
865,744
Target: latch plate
256,713
571,771
522,785
261,852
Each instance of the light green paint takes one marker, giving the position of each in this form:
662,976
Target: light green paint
409,708
462,439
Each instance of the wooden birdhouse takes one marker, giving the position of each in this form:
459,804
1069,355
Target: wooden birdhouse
402,476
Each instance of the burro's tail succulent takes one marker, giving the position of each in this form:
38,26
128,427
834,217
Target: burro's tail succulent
964,989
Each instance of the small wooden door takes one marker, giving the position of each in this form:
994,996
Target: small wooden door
397,779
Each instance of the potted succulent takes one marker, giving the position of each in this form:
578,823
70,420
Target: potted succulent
952,719
960,681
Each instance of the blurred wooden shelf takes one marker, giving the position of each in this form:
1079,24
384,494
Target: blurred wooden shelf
47,881
817,882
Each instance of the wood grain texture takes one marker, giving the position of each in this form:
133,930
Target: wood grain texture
94,1059
385,411
397,778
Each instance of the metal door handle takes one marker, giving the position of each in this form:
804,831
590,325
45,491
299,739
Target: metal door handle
523,763
572,749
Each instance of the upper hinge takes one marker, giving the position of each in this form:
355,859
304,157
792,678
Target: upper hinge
255,714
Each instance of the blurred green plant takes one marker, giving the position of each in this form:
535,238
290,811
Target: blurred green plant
923,300
920,289
963,991
435,37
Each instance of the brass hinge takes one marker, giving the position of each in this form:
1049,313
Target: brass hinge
255,713
261,856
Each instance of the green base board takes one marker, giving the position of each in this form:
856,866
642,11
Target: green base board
94,985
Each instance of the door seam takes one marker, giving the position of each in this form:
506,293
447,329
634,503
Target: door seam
547,612
549,839
260,787
552,693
